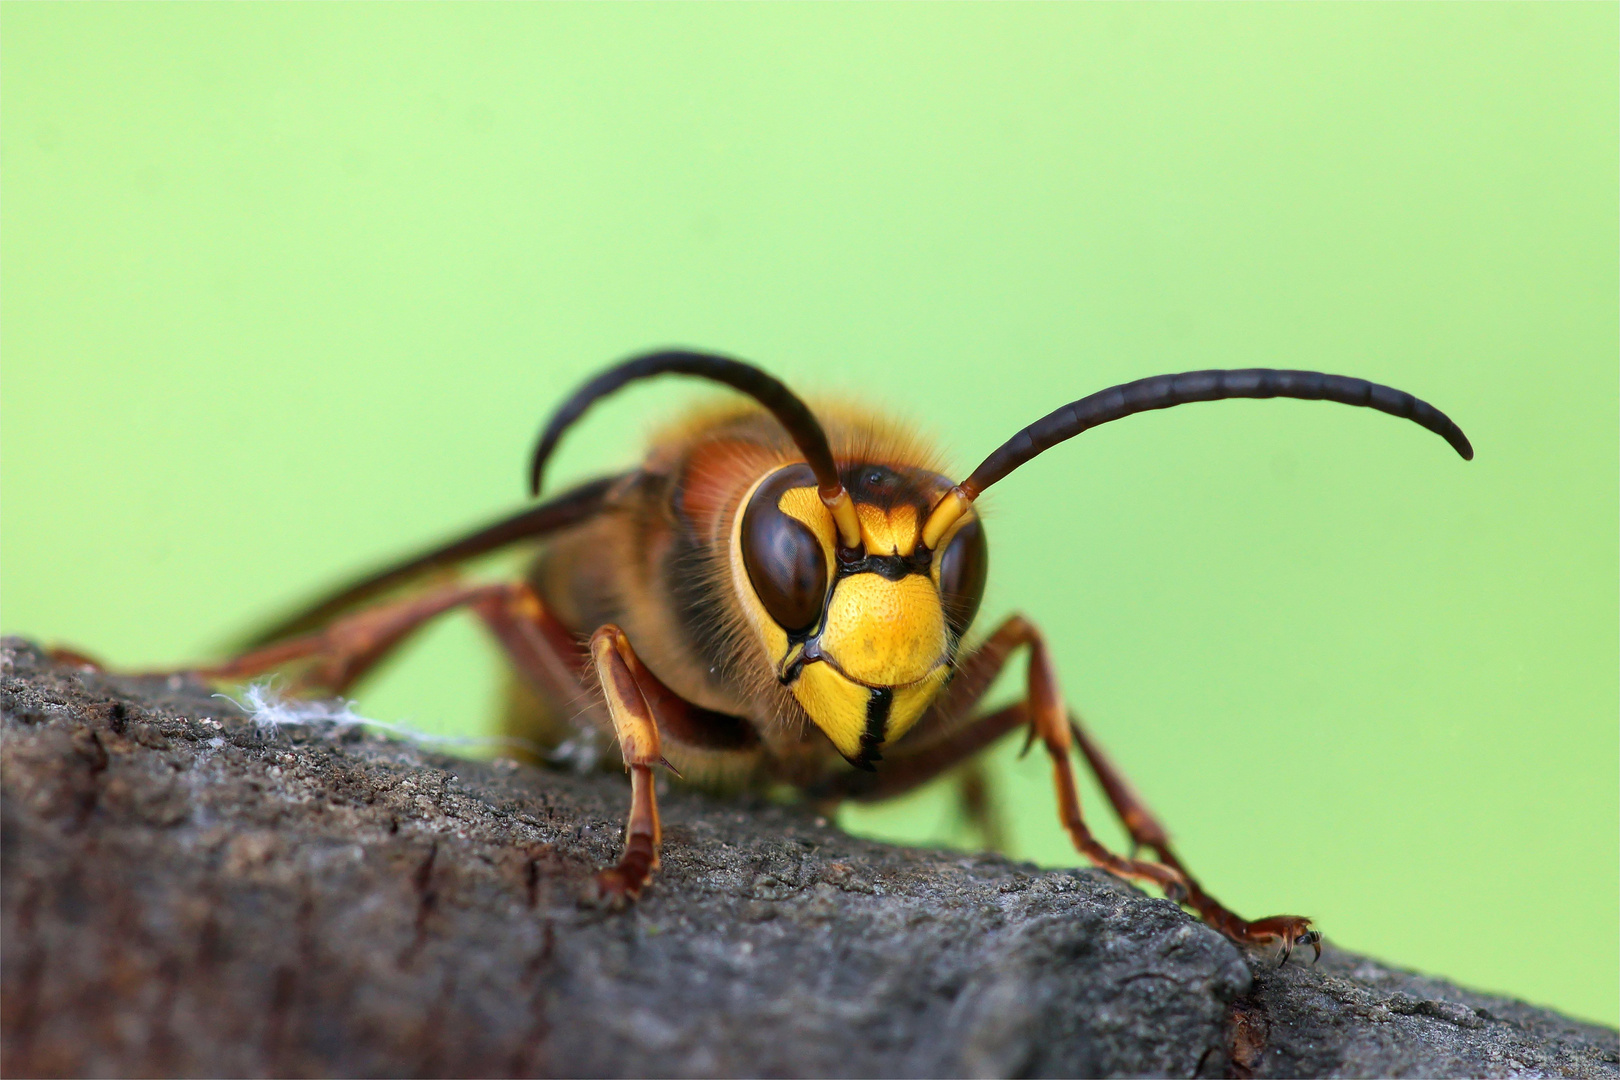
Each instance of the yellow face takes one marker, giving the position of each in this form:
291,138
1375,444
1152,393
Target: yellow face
866,645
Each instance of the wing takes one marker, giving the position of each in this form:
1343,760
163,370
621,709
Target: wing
569,508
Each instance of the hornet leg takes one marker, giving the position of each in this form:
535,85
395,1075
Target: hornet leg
949,735
618,668
1145,830
338,655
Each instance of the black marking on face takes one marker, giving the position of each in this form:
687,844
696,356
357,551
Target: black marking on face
877,725
889,567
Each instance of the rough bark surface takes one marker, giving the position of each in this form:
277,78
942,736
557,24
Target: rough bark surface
184,895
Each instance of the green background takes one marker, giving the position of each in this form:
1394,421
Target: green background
289,288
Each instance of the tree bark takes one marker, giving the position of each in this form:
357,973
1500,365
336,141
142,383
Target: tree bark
183,894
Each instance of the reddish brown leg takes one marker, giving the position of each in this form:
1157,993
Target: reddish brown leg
617,667
544,651
1145,831
337,656
650,720
1050,723
947,740
946,737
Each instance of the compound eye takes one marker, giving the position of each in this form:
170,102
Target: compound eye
962,570
783,558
